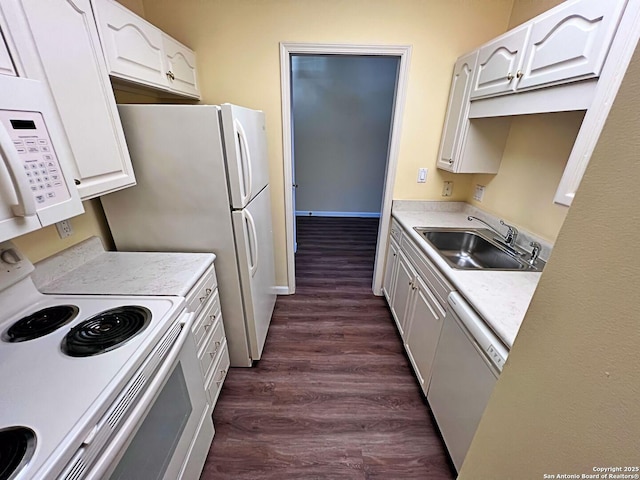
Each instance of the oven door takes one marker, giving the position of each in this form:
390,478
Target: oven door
169,434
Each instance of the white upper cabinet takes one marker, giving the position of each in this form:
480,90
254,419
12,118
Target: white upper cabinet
499,63
180,65
570,44
6,65
74,67
140,53
132,47
456,121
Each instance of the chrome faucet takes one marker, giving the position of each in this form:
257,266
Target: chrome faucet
509,238
535,252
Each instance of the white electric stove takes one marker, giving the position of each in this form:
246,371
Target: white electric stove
72,368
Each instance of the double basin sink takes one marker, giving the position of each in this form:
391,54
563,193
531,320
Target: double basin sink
477,249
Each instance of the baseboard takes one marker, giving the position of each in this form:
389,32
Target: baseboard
281,290
316,213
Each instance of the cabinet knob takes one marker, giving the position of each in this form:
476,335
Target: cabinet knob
450,161
519,74
509,76
76,181
171,75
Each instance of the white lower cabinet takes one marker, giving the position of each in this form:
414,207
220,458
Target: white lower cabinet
211,341
388,282
401,299
415,295
424,325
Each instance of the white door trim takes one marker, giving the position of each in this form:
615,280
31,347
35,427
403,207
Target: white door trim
286,50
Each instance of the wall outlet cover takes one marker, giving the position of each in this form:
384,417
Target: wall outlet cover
447,189
64,228
479,193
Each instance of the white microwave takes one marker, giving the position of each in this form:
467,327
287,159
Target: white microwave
35,188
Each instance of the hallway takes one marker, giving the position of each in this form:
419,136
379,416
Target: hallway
333,396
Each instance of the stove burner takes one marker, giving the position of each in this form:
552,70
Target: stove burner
106,331
16,447
40,323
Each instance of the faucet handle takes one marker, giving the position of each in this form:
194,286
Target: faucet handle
512,233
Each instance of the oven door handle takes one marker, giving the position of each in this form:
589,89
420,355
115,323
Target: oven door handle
135,418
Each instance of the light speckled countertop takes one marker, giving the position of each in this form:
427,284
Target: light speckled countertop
501,298
87,269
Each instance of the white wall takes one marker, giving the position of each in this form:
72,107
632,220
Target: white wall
342,108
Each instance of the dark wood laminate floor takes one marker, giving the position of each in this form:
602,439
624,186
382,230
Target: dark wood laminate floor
333,396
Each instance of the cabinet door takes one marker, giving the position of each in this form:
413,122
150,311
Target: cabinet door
390,269
77,74
404,278
572,43
132,46
180,65
6,65
425,323
498,64
456,121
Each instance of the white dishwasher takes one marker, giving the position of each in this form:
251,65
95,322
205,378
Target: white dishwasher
468,360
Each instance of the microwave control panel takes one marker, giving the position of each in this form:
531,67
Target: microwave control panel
41,167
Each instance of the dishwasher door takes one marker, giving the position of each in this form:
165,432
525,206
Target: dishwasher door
462,380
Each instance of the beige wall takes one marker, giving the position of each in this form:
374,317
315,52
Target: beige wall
524,10
534,159
237,46
46,241
567,400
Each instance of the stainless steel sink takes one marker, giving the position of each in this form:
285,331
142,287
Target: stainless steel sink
476,249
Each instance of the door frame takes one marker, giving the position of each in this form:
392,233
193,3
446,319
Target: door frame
290,48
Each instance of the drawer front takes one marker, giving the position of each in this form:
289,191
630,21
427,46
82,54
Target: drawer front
212,348
396,230
204,288
429,272
207,319
218,374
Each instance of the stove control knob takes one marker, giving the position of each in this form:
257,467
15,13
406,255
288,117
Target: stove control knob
10,256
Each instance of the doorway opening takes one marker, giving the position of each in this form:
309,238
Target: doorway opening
342,109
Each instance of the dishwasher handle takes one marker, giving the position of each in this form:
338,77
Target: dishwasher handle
489,343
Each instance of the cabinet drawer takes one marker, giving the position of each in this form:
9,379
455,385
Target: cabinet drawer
207,319
200,293
396,230
212,348
218,374
429,272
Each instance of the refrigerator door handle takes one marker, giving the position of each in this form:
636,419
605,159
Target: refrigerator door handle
245,161
252,240
26,204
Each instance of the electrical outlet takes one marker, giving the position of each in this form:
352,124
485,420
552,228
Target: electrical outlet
422,175
479,193
64,228
447,189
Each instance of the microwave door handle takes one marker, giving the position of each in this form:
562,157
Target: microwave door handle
245,156
26,204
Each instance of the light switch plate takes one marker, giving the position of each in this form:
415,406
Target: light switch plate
422,175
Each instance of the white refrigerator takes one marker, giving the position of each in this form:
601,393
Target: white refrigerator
203,186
